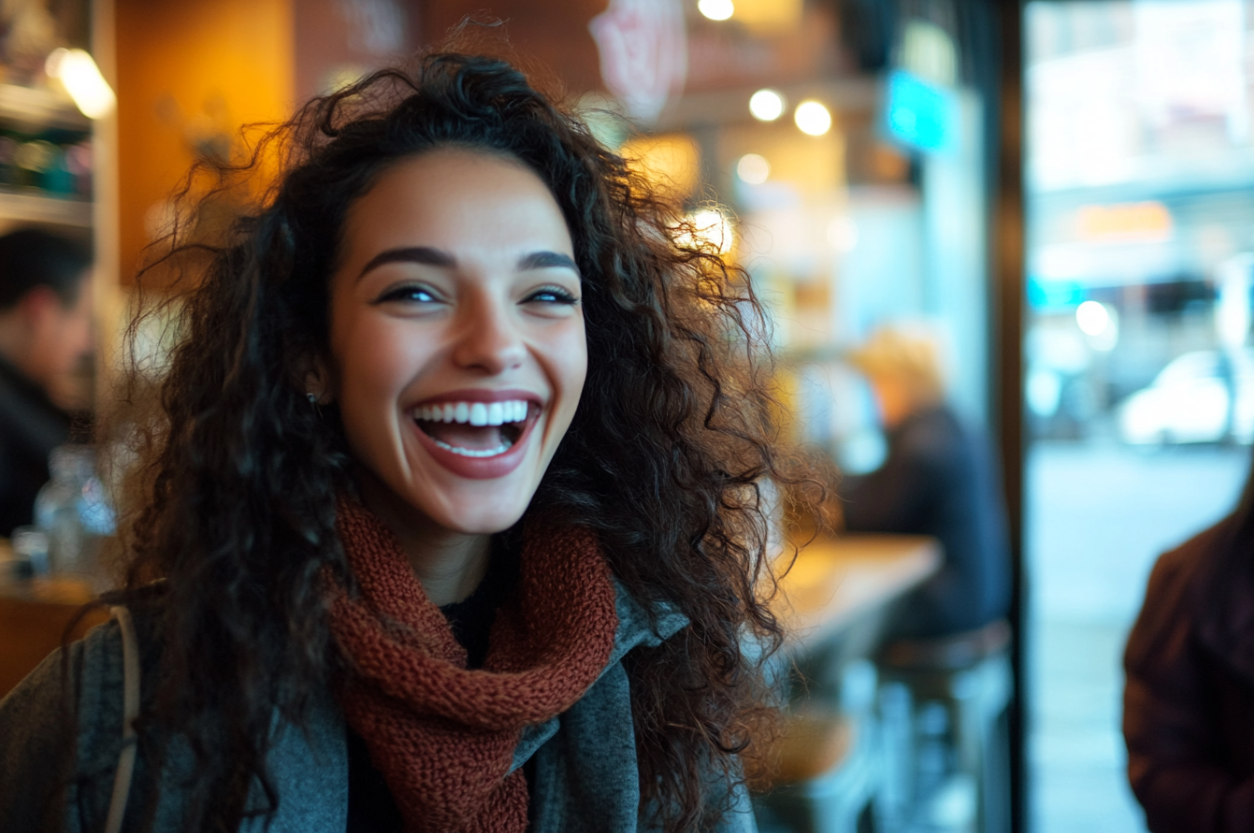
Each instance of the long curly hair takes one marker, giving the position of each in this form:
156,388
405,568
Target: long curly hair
674,435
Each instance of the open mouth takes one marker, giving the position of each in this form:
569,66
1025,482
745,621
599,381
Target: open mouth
474,429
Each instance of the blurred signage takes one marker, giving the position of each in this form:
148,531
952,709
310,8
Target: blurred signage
921,115
1133,222
644,53
1054,294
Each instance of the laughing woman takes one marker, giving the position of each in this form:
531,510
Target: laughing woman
450,519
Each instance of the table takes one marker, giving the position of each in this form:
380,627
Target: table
839,583
34,614
834,604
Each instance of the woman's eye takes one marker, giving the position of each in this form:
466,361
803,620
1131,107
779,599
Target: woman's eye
552,295
416,294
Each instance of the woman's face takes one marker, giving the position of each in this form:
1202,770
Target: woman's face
457,337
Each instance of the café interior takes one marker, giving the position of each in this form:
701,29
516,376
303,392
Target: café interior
1049,193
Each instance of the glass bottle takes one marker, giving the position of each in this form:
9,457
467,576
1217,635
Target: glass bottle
72,510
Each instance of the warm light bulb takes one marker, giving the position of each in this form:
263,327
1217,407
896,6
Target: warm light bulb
766,105
813,118
711,229
83,81
716,9
753,169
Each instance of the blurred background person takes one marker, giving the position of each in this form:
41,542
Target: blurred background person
937,479
1189,699
45,332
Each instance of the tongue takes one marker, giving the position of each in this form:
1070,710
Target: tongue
461,435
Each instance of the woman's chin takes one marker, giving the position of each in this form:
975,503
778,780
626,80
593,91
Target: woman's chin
478,522
476,511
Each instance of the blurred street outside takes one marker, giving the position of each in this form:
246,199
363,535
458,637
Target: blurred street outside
1099,513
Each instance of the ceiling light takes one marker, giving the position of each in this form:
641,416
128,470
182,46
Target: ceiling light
766,105
82,80
716,9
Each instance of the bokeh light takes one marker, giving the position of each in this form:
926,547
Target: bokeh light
1092,317
753,169
813,118
716,9
711,229
766,105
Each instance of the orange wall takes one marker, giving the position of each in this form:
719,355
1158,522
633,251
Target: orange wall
182,68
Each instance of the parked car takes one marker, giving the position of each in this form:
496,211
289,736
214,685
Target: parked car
1191,400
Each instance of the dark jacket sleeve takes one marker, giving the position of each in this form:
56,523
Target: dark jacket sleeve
1170,723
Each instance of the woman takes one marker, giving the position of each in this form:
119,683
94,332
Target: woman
1188,714
451,498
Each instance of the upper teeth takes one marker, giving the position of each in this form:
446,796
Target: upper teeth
475,413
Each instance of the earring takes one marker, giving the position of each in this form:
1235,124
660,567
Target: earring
312,397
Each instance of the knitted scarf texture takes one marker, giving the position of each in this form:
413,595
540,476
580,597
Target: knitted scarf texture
443,736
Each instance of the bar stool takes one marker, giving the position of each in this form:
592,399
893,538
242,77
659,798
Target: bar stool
964,679
828,776
830,773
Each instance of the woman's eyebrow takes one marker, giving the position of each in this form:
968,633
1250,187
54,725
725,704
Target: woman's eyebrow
413,254
547,260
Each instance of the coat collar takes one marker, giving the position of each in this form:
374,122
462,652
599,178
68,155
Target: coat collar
636,628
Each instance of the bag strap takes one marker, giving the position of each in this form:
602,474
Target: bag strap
130,711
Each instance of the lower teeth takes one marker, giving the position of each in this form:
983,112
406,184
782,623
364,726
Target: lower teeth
474,452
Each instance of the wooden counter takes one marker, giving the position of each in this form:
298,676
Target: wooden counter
837,583
34,614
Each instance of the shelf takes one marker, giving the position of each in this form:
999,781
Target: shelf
40,109
38,208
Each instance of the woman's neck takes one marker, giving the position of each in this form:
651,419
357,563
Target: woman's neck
449,564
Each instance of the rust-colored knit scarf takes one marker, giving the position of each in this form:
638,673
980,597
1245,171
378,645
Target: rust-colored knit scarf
444,736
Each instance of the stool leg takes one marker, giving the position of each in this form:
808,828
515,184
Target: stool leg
995,781
975,747
896,709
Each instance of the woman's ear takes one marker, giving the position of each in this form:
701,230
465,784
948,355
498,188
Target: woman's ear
316,382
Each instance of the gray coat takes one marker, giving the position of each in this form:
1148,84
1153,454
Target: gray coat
585,760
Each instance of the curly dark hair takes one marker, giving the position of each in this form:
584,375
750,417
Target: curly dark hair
673,434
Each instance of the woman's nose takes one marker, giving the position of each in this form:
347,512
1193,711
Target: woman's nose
488,336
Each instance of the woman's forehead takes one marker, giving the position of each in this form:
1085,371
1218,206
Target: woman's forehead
456,200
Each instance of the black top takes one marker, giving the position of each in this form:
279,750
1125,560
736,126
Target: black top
371,808
30,427
939,479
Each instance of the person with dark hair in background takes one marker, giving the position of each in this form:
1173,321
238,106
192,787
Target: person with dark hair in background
937,479
1188,703
45,331
446,518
